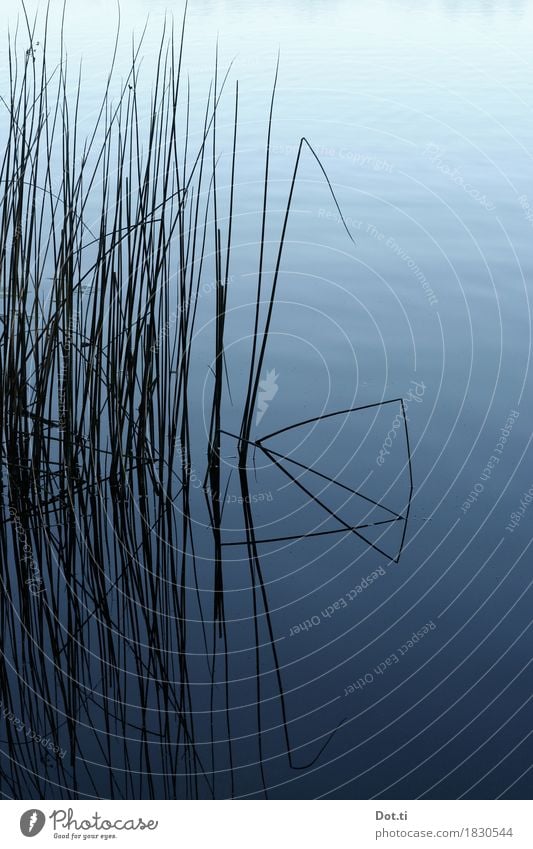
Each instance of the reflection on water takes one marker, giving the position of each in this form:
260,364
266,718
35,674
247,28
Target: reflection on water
188,600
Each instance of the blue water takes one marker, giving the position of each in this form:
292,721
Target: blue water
421,115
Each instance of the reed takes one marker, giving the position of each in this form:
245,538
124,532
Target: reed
105,240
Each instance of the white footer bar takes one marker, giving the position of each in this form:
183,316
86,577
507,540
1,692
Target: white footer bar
267,825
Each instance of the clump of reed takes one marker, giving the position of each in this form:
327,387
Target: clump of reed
105,239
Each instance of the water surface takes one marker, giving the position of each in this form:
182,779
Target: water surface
420,113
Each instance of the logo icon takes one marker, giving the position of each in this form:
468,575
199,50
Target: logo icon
32,822
269,387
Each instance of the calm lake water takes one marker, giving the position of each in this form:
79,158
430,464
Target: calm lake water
420,113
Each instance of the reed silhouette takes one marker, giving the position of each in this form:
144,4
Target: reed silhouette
115,670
